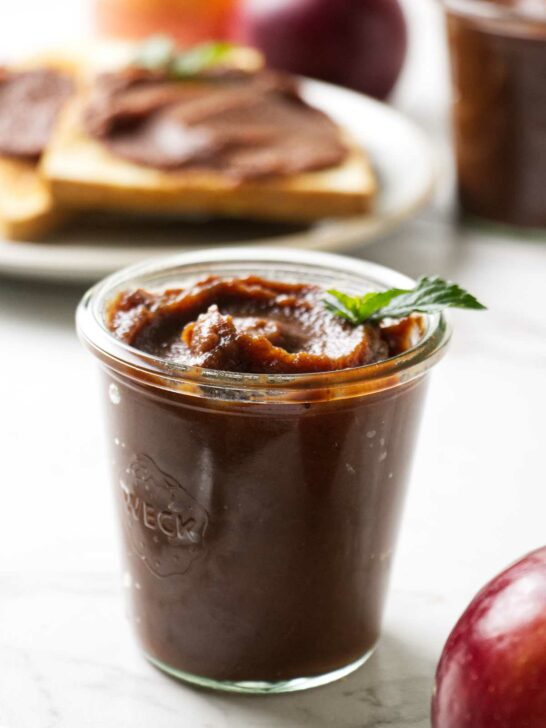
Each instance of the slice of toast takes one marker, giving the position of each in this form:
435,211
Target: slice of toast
83,173
27,208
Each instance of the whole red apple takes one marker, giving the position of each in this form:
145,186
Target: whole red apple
492,673
356,43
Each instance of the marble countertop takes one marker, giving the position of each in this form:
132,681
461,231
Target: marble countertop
477,498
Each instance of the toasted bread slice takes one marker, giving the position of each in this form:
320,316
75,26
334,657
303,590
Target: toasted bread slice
27,209
84,174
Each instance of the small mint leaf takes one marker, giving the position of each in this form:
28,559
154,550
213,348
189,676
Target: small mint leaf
155,53
358,309
200,58
430,295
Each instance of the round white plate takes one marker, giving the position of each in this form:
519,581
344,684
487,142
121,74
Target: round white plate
91,248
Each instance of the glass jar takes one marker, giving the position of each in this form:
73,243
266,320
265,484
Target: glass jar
498,60
259,512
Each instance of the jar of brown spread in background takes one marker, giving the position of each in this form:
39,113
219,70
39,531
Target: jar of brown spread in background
260,502
498,58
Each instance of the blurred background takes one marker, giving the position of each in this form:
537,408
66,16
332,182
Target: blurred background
31,24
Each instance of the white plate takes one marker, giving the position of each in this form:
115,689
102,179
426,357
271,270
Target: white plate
99,245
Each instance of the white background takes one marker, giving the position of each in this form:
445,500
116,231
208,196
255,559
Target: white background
477,497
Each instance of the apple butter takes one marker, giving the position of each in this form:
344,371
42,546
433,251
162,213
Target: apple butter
240,124
253,325
30,102
498,52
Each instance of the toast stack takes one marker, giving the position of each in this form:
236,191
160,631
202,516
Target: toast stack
78,172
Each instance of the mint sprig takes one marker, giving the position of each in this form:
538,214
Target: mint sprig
159,53
199,58
430,295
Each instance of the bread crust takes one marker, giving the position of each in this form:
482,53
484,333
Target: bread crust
27,211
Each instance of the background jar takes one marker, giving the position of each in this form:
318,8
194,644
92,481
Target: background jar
498,61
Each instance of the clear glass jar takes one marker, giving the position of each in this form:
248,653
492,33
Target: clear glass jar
259,512
498,60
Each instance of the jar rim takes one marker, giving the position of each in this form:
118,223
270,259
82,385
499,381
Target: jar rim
165,374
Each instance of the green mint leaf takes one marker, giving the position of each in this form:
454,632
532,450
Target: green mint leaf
156,53
430,295
200,58
358,309
159,53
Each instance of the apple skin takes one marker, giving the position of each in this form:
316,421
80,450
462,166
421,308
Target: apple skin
360,44
492,673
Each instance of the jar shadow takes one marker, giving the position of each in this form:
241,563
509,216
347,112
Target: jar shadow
392,689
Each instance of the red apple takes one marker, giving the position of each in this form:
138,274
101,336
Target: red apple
492,673
356,43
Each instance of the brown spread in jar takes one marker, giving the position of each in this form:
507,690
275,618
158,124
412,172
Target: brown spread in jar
253,325
499,71
243,125
258,533
29,104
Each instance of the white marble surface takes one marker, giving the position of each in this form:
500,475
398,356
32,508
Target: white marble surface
477,497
